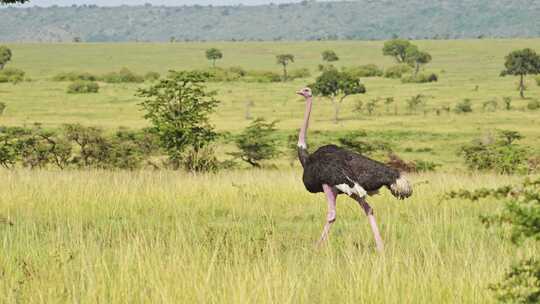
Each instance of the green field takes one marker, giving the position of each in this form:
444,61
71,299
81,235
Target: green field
247,236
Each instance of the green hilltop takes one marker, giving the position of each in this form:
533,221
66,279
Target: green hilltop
308,20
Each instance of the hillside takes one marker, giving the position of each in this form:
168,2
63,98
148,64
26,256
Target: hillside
310,20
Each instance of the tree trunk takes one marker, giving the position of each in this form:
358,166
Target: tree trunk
521,87
416,70
284,72
336,110
213,63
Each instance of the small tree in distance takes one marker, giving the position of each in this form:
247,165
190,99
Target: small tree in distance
522,63
397,48
5,56
214,54
284,60
256,143
337,86
329,56
417,58
178,108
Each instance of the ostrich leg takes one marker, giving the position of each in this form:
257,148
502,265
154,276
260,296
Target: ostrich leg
371,218
331,195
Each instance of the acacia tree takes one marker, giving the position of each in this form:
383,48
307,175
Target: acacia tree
178,108
329,56
213,54
5,56
397,48
284,60
521,63
416,58
337,86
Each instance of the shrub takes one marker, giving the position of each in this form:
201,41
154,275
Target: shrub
533,105
368,70
151,76
2,108
202,160
12,75
263,76
419,78
490,105
507,103
123,76
299,73
397,71
83,87
464,106
415,102
256,143
74,76
499,154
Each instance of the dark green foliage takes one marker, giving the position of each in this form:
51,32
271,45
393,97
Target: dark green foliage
83,87
13,1
213,54
416,58
74,76
499,154
464,106
336,86
5,56
397,48
522,63
329,56
351,20
419,78
284,60
10,146
178,108
12,75
368,70
521,213
533,105
125,75
257,143
94,148
397,71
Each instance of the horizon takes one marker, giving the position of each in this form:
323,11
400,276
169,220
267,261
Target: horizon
112,3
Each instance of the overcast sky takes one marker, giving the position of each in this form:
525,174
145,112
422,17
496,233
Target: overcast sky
156,2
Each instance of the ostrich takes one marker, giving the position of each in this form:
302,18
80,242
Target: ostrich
334,170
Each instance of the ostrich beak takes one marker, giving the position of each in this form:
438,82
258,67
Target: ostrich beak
300,93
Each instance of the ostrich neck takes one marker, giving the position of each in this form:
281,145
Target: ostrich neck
303,130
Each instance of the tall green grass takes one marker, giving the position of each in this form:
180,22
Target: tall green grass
238,237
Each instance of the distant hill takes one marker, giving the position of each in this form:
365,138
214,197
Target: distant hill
309,20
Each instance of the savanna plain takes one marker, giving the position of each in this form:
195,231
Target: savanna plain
248,235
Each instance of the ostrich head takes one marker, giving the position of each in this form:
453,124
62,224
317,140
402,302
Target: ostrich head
306,92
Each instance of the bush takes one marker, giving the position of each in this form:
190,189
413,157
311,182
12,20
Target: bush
2,108
419,78
299,73
351,141
151,76
490,105
83,87
368,70
533,105
11,75
263,76
257,142
464,106
499,154
123,76
397,71
74,76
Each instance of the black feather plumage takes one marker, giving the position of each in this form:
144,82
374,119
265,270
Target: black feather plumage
333,166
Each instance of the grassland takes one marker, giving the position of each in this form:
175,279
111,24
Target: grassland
461,64
248,236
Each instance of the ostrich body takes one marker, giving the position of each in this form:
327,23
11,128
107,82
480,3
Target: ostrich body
334,170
